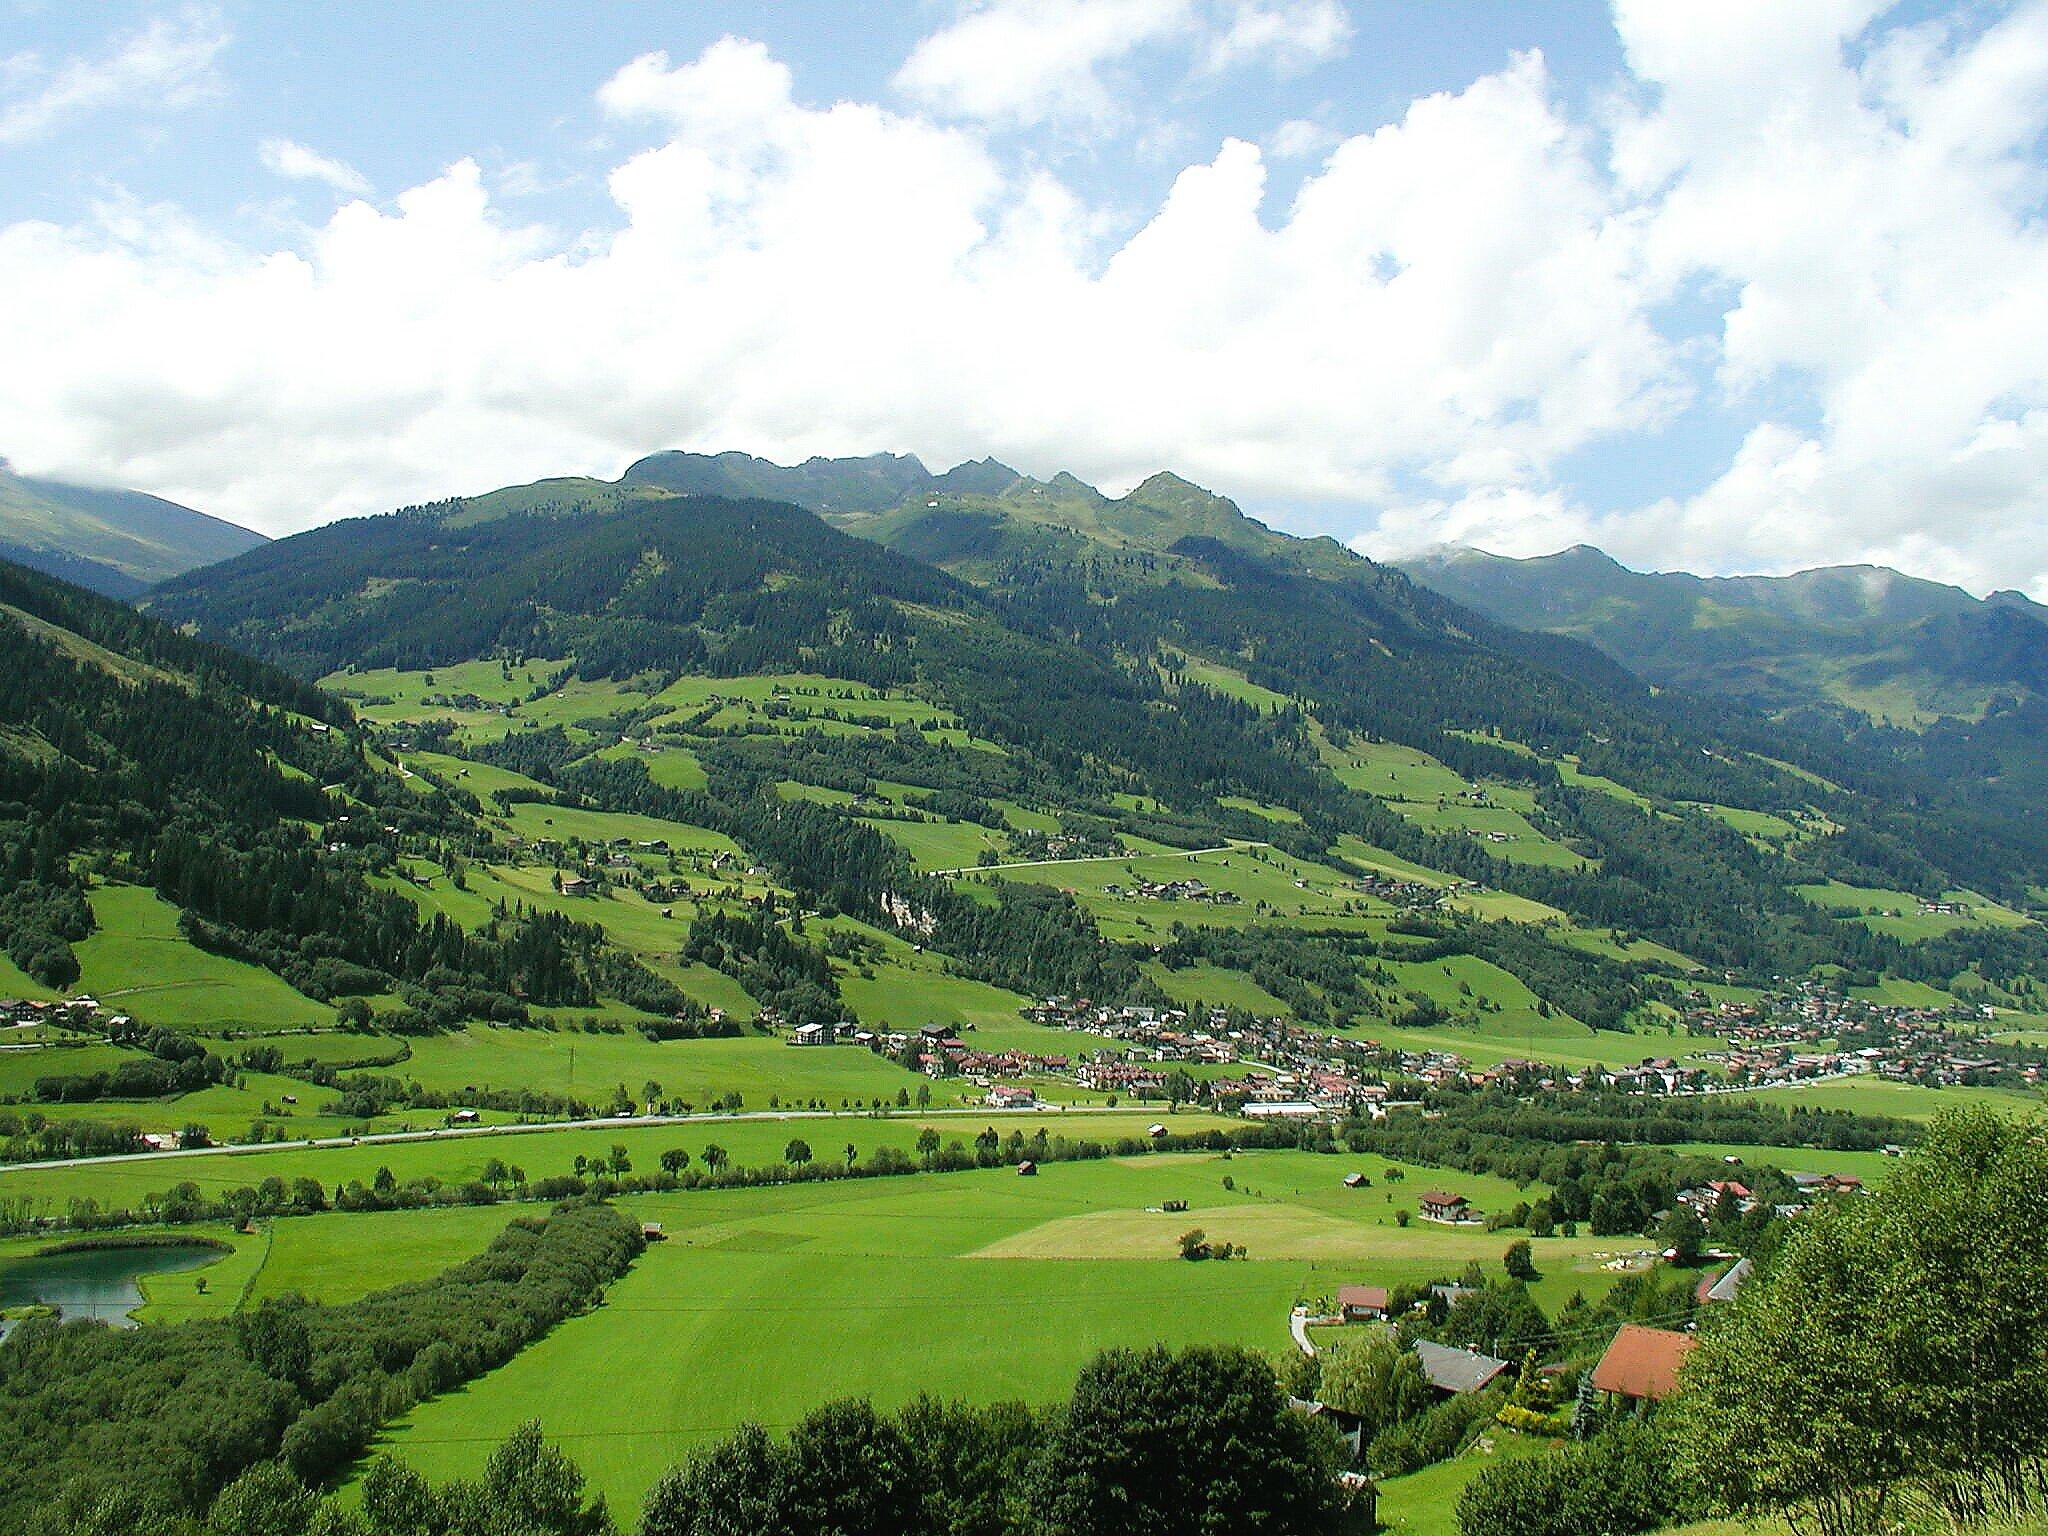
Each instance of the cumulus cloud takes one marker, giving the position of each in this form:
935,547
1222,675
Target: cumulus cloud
1452,295
1287,34
1022,62
166,64
1421,338
295,162
1301,138
1872,199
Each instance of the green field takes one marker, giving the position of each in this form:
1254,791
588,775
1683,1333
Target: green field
137,962
1909,1101
588,1066
1897,913
764,1303
1871,1167
460,1158
1425,1503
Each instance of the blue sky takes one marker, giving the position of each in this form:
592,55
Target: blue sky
1737,287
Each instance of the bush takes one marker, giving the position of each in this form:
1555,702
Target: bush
1613,1485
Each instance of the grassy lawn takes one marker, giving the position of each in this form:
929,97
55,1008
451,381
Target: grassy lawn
1425,1503
19,1069
1871,1167
541,1153
940,844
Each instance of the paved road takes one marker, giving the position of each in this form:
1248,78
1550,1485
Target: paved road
608,1122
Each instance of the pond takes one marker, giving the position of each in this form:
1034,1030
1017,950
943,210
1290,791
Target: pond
95,1282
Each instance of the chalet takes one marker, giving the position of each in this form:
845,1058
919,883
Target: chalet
1363,1303
1004,1097
650,1232
1356,1181
463,1117
810,1034
1442,1205
1641,1364
578,885
1456,1371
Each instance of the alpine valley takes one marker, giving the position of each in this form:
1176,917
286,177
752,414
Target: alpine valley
725,841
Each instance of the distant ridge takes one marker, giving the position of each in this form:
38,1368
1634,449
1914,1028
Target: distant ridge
113,541
1896,646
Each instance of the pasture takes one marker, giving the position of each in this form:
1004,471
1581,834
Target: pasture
136,961
763,1303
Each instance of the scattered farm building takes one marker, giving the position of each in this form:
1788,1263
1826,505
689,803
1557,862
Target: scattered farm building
1641,1365
1454,1371
1363,1303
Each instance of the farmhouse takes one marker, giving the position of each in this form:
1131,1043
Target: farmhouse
1363,1303
578,885
1442,1205
1641,1365
1455,1371
1002,1097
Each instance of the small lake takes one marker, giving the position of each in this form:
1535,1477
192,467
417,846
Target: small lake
95,1282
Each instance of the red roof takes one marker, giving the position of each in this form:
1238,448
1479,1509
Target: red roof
1369,1298
1643,1362
1442,1197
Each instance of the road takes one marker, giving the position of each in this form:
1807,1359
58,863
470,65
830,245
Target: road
607,1122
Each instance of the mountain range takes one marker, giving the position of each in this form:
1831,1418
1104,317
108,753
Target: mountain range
1898,648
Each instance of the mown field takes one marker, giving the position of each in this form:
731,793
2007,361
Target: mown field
763,1303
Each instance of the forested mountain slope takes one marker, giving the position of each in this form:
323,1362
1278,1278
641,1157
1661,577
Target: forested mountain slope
132,754
117,542
1153,670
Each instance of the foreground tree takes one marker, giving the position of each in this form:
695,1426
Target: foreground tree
1377,1380
1897,1345
1202,1441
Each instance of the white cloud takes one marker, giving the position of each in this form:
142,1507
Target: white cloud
1024,62
168,63
1301,138
1287,34
1451,297
295,162
1872,198
1446,312
1506,520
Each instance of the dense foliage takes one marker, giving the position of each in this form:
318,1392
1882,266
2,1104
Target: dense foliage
107,1425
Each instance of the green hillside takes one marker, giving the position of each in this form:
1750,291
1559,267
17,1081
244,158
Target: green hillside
117,542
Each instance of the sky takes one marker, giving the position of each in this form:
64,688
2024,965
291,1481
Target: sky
1749,286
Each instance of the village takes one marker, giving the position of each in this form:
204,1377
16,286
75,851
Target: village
1291,1072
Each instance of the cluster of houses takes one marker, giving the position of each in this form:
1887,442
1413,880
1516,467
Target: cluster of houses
1811,1032
76,1012
1402,893
1174,890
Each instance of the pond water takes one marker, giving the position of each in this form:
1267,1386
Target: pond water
95,1282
